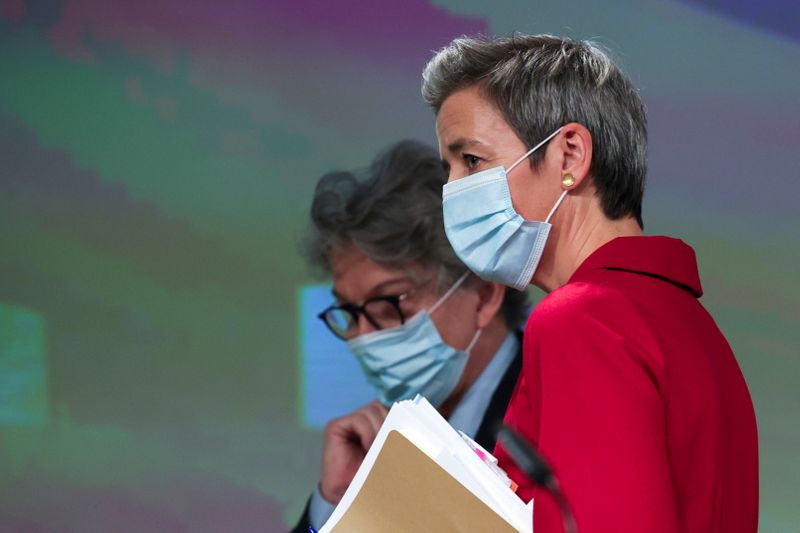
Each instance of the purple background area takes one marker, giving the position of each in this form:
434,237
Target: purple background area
779,16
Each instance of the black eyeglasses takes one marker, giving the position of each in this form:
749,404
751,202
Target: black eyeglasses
383,312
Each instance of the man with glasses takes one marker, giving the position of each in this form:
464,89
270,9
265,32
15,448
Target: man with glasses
417,321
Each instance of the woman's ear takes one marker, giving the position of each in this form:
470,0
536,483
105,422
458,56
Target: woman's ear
575,148
490,300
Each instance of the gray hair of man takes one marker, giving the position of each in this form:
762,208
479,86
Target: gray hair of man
392,212
541,82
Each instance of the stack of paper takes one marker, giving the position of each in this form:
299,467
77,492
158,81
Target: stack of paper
420,475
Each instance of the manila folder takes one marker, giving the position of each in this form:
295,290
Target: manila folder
406,491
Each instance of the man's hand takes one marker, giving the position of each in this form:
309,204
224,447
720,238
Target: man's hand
346,442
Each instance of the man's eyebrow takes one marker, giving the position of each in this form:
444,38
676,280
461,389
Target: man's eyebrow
377,288
380,287
461,143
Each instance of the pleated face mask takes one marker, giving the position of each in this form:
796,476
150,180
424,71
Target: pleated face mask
413,358
487,233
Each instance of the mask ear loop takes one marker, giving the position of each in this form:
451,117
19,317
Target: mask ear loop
529,152
474,341
449,292
445,296
558,203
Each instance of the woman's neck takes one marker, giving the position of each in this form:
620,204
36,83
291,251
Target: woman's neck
576,234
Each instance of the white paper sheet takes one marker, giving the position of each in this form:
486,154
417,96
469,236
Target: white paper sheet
420,423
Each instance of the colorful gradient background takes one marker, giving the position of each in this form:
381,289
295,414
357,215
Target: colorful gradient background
157,161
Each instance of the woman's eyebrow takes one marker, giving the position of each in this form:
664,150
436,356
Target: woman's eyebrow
461,143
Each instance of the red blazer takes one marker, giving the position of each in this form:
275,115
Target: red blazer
631,392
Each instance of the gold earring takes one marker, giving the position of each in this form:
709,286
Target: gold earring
568,180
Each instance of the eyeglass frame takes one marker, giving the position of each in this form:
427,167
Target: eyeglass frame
356,311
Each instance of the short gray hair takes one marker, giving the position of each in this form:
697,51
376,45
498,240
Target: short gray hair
392,212
541,82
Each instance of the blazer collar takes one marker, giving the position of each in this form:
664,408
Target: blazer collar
669,259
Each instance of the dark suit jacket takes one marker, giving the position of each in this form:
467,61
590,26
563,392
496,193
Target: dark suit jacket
486,435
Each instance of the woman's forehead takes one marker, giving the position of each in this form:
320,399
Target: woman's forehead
468,117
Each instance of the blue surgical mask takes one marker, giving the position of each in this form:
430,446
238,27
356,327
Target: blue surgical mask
412,359
487,233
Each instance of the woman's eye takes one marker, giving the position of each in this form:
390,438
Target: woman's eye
471,161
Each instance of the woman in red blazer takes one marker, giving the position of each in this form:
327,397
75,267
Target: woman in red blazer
628,387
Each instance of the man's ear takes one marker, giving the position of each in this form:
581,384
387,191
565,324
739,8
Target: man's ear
490,300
